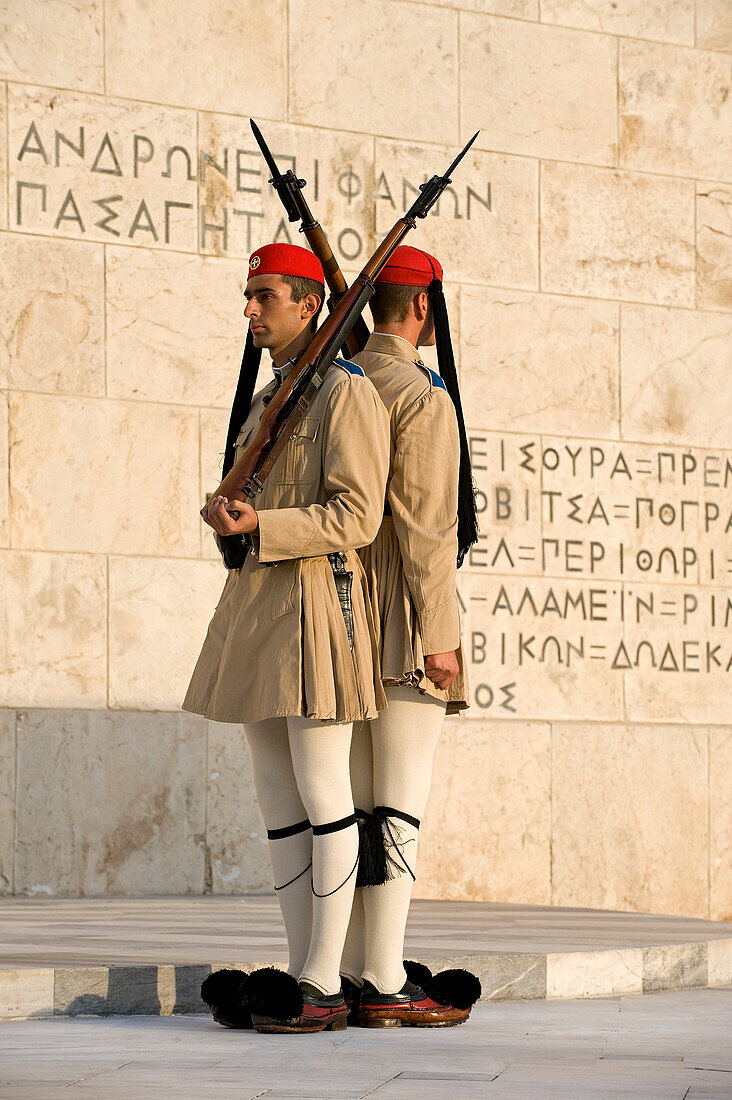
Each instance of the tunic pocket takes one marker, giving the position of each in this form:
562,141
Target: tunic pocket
302,457
282,578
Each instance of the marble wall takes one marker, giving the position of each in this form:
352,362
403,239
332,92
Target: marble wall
587,245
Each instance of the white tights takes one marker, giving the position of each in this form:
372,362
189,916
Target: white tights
301,773
391,765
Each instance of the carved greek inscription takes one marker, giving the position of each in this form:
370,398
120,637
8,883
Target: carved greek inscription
599,509
114,175
603,573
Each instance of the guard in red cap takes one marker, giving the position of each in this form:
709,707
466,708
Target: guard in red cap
291,651
429,524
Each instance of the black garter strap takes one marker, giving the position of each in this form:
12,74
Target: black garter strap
335,826
285,884
281,834
389,811
289,830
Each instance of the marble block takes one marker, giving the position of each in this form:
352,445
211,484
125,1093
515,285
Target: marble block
594,973
484,228
51,315
240,210
509,977
540,648
377,45
175,326
214,427
4,460
122,810
720,962
3,156
621,798
27,992
55,42
713,25
102,169
674,372
537,90
675,110
235,837
720,826
611,234
486,832
113,991
53,646
668,22
211,56
535,362
512,9
630,503
122,475
674,966
80,990
507,501
7,799
677,671
151,658
714,245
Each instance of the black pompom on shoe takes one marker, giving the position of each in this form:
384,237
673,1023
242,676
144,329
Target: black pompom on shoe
417,973
458,988
225,993
272,993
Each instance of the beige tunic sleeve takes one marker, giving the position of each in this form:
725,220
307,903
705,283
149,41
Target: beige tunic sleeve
355,468
423,494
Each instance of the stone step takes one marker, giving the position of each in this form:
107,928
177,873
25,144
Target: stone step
128,956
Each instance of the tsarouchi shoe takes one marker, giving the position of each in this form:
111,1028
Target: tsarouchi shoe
224,992
445,1000
410,1007
282,1005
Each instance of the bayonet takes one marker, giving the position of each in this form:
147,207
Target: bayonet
433,188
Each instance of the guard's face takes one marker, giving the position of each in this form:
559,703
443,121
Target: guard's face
274,319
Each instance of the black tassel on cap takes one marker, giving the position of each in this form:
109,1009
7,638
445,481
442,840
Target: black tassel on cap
232,550
467,513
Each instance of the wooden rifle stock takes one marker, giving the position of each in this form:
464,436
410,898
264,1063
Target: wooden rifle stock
291,401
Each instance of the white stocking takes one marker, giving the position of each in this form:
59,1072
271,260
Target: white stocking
403,739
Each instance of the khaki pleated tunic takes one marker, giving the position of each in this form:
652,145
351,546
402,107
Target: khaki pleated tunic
411,566
277,644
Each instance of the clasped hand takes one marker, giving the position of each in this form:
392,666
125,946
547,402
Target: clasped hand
217,514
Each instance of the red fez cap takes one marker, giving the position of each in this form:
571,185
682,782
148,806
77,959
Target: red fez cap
286,259
410,266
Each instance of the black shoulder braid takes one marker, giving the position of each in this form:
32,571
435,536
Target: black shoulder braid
232,547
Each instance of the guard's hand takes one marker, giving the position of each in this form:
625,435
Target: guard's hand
441,668
216,513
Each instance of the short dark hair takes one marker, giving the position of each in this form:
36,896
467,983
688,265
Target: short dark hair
391,302
301,287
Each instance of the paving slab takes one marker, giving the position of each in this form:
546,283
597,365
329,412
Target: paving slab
662,1045
132,956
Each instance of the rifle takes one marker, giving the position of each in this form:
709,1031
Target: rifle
289,188
292,400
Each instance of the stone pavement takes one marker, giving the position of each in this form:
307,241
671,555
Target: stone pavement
664,1046
101,956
